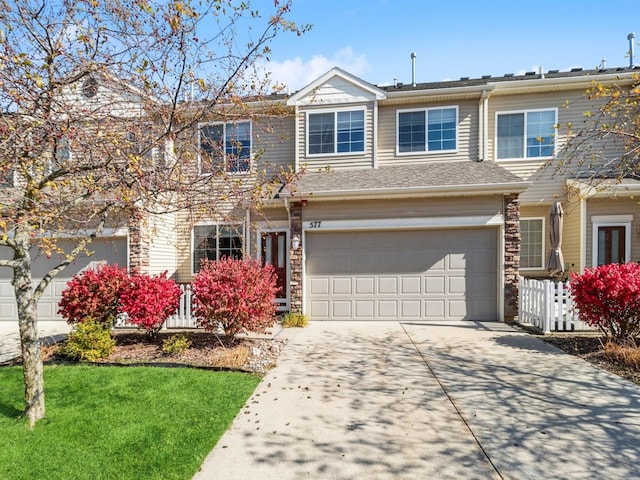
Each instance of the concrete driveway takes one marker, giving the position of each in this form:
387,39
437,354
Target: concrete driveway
414,401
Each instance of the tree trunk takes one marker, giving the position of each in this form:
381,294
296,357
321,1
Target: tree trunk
28,322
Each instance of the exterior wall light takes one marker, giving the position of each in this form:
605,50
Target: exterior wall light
295,242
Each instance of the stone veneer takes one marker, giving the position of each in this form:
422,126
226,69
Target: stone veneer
511,255
139,245
295,256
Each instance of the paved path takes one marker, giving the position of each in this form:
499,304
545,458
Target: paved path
10,337
414,401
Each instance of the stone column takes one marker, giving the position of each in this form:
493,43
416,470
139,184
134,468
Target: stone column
511,255
139,243
295,257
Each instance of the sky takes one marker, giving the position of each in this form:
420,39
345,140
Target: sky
374,39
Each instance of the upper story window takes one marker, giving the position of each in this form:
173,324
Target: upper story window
214,242
335,132
225,146
532,243
529,134
427,130
6,177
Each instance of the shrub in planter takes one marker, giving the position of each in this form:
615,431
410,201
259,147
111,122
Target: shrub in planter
149,300
235,294
94,294
89,341
608,297
294,319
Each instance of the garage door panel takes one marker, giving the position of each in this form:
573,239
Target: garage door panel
421,274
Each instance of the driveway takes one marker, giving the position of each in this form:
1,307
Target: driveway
454,400
50,332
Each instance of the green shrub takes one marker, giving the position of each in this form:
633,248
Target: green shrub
294,319
176,345
89,341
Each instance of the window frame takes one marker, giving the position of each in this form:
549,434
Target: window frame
426,111
334,112
543,243
525,112
235,227
225,161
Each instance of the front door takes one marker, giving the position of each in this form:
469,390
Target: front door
274,245
611,245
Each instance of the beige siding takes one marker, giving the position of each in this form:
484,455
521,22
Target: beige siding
274,143
547,177
613,206
315,162
383,209
467,134
572,236
162,249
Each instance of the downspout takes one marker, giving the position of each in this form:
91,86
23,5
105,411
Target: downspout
483,126
296,143
247,234
374,139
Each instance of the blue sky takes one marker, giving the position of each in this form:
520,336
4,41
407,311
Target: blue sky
373,39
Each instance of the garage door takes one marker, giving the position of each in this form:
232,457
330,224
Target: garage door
411,275
113,251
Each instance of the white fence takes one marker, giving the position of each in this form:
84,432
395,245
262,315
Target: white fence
548,305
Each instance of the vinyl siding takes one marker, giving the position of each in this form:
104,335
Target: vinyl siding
336,161
162,249
409,208
274,143
572,236
467,144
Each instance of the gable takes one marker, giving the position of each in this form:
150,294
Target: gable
336,87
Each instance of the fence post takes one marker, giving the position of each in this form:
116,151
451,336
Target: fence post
547,301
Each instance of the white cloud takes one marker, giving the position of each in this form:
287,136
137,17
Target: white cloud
295,73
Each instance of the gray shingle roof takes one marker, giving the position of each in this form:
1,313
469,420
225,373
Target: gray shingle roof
464,175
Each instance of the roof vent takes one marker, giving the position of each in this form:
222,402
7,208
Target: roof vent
576,69
464,78
508,75
484,77
631,37
553,71
530,73
413,69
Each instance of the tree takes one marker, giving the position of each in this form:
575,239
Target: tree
607,146
96,99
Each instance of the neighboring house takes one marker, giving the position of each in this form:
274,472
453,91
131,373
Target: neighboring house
414,202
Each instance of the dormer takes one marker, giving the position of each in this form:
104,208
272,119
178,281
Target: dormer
336,122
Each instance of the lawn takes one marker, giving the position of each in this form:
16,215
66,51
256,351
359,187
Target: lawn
118,422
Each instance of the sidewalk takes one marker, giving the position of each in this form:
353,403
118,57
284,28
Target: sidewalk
10,337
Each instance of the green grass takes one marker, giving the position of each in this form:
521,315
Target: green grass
118,422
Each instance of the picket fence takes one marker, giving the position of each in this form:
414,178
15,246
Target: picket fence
548,305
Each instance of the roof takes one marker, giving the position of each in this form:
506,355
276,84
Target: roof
435,178
508,77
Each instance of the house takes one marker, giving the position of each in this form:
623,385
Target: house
417,202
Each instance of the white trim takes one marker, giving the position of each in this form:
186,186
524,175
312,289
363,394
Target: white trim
598,221
524,140
374,135
544,244
335,111
583,235
402,223
426,111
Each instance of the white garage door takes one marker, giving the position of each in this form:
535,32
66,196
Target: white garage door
112,251
410,275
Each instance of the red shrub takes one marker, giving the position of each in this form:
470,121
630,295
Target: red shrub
94,294
149,300
237,294
608,297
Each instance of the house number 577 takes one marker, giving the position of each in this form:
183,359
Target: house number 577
315,224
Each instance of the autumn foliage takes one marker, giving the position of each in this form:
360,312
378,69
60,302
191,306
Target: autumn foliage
235,294
608,297
103,294
94,294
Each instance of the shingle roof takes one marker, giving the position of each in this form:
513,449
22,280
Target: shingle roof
464,175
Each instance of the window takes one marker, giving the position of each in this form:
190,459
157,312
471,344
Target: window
214,242
139,147
427,130
532,243
526,134
225,146
336,132
6,177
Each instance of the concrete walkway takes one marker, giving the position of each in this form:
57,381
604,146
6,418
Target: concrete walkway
414,401
10,337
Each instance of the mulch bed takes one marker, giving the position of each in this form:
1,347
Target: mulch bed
206,351
591,349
